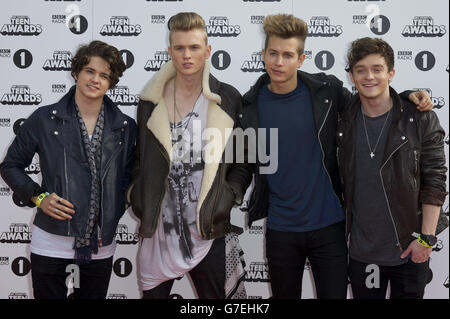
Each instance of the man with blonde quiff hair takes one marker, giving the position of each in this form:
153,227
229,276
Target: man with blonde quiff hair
302,199
183,200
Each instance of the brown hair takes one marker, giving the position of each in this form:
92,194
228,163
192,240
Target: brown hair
286,26
102,50
363,47
186,21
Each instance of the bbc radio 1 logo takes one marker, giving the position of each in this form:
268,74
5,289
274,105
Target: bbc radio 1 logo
221,27
60,61
5,122
124,237
127,57
257,19
21,266
75,22
59,88
425,60
120,26
322,27
221,60
405,55
22,58
21,95
158,19
438,102
324,60
19,233
5,191
256,230
155,64
4,261
122,267
121,96
257,272
379,24
423,26
255,64
5,53
21,26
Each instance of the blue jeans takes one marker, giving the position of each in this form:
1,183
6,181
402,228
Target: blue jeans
407,281
49,275
326,250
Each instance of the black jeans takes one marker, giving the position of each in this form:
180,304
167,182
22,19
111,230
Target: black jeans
326,250
49,276
407,281
208,276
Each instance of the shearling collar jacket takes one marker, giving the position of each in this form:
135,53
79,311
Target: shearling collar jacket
223,184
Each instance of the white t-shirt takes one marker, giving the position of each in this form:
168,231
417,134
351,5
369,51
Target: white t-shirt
177,247
51,245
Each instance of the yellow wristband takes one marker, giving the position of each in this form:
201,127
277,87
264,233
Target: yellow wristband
420,241
40,198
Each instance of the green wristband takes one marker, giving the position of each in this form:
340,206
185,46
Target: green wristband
40,198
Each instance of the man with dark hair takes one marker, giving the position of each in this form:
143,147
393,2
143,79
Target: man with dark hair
85,146
302,198
183,198
392,164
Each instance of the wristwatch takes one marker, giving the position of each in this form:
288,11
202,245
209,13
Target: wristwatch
430,240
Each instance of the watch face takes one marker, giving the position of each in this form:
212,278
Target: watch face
430,239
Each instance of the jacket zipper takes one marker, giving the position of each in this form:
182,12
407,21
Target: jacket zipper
416,168
103,178
385,195
321,148
66,195
165,180
214,205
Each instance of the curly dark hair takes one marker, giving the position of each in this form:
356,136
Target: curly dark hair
102,50
363,47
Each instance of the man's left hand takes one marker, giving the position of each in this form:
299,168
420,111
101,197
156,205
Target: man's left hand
422,100
419,253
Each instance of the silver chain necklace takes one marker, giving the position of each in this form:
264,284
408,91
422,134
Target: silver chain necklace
372,152
175,109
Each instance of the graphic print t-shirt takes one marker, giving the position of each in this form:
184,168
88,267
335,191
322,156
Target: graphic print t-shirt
177,247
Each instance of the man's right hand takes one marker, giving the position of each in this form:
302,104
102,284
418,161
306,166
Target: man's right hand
56,207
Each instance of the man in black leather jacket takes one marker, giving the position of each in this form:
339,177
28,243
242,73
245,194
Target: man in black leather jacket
392,165
85,146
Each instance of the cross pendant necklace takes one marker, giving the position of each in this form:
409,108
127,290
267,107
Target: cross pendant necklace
372,152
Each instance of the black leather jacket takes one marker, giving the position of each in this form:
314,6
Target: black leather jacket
328,98
53,132
413,170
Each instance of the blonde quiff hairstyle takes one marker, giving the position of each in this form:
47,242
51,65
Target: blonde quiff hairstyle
186,21
286,26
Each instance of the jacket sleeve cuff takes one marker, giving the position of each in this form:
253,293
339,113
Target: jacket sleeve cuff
23,196
239,196
432,197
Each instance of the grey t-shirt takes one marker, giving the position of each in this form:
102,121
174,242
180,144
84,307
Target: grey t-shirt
372,238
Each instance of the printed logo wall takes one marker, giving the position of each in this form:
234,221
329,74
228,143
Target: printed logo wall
39,37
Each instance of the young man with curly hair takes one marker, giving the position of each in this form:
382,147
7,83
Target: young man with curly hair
85,146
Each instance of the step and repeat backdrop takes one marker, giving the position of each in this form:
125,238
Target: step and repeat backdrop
39,37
